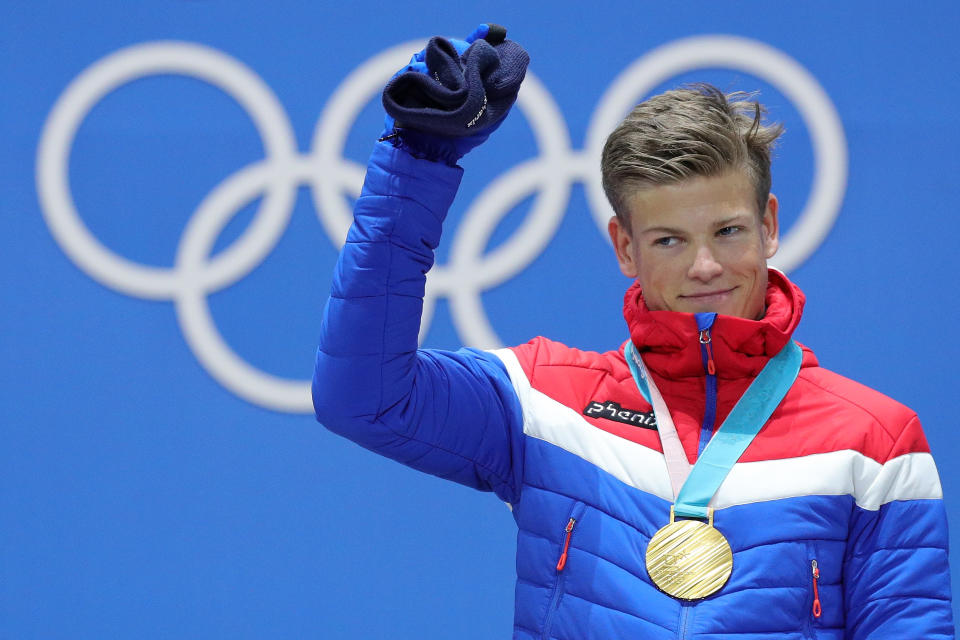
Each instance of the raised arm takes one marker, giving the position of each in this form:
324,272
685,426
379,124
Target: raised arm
452,414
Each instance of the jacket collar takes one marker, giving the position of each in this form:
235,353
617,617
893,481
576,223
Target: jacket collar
669,341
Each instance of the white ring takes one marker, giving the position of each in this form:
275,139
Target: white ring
87,90
335,176
193,311
470,270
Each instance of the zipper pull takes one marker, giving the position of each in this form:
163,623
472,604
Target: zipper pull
707,342
816,591
566,545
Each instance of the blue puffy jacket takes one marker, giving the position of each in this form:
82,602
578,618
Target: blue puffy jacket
834,513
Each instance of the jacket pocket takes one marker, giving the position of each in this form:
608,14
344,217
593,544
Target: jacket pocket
566,535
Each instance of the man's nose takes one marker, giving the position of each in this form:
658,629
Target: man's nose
705,266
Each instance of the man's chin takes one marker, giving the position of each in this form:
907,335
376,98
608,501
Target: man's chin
724,304
708,309
723,310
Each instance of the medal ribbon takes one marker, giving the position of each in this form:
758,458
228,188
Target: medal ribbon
698,485
678,467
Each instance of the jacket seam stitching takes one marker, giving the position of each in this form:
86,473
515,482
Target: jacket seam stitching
865,554
626,613
867,411
593,506
437,447
900,596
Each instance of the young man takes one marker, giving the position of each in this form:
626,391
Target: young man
816,511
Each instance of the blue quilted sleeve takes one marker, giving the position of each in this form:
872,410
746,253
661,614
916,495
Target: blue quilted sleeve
452,414
896,573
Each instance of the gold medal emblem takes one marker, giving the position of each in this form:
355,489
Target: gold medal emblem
689,559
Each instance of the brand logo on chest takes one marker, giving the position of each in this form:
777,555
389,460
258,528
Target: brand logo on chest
613,411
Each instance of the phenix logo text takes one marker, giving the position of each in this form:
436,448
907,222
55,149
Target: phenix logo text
613,411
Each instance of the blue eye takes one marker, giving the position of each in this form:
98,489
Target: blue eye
729,231
666,241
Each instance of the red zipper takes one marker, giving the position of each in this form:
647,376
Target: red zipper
566,545
816,591
708,344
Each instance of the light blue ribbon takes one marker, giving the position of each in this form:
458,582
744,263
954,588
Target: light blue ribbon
744,422
638,374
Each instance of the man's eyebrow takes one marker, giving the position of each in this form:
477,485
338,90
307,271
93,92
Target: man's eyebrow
737,217
734,218
667,230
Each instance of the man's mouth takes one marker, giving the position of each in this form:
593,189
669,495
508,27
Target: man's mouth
707,296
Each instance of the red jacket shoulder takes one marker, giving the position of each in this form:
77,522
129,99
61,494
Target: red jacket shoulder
570,375
542,354
884,427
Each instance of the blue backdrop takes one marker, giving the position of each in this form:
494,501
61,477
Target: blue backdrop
175,179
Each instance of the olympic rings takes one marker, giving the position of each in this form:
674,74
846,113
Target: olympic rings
549,177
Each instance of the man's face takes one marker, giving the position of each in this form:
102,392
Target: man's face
699,245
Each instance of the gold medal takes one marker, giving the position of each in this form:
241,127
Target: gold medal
689,559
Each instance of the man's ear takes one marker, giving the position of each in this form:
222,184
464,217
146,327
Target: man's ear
623,247
771,227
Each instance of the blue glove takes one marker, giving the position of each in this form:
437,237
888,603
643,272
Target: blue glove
454,94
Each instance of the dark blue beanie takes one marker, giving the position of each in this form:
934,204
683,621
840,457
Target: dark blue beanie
459,96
